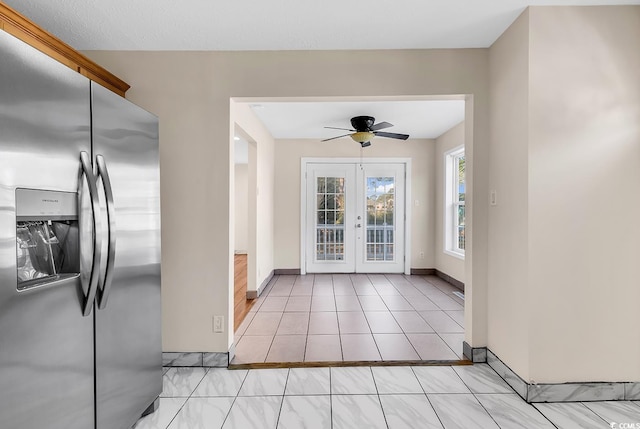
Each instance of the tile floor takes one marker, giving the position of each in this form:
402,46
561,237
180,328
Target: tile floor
352,317
450,397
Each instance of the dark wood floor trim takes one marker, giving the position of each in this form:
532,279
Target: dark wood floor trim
264,365
447,278
286,271
423,271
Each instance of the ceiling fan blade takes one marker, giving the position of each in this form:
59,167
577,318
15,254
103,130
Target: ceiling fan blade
381,126
392,135
333,138
344,129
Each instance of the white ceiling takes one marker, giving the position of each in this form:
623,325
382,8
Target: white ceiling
418,118
279,24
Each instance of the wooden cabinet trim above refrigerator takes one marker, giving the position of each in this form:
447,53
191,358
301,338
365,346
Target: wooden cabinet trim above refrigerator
21,27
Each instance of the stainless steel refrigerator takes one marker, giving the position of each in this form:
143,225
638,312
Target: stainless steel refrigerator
80,342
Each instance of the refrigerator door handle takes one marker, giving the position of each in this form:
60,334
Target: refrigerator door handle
103,295
85,160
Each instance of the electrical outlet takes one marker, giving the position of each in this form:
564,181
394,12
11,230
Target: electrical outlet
218,324
421,255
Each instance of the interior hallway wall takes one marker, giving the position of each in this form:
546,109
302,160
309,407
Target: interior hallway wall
565,161
242,208
288,154
190,92
444,262
584,204
509,286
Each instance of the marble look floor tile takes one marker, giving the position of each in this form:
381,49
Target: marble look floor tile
220,382
480,378
382,322
323,323
357,411
455,343
395,347
411,322
422,303
323,303
571,415
323,348
181,359
287,348
378,279
348,303
461,411
395,379
264,323
353,322
372,303
308,381
274,303
439,379
293,324
181,382
298,303
457,316
252,349
161,418
359,347
355,380
441,322
397,303
409,412
305,412
616,411
263,382
257,412
202,413
431,347
511,412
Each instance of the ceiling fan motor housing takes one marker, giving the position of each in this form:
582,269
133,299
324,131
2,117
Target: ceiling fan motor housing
362,123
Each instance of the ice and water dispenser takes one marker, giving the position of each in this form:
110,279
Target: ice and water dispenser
47,240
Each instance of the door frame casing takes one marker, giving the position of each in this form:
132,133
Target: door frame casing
303,201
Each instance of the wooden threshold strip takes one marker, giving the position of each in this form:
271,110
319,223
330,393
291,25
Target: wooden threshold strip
265,365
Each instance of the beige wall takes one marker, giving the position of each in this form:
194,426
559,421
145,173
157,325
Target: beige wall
508,220
190,92
288,154
241,216
565,162
584,172
444,262
261,184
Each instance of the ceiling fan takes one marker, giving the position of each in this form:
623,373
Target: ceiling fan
364,130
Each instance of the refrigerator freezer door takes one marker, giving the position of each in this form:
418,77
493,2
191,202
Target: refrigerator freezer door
128,340
46,345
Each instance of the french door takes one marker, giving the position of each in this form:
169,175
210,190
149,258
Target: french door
355,218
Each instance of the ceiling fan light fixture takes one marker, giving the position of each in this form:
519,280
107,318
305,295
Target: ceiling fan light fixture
362,136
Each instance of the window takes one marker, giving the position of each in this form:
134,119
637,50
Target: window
455,190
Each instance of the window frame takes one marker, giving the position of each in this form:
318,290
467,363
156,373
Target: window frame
452,203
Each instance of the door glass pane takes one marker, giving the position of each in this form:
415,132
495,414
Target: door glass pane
380,218
330,219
